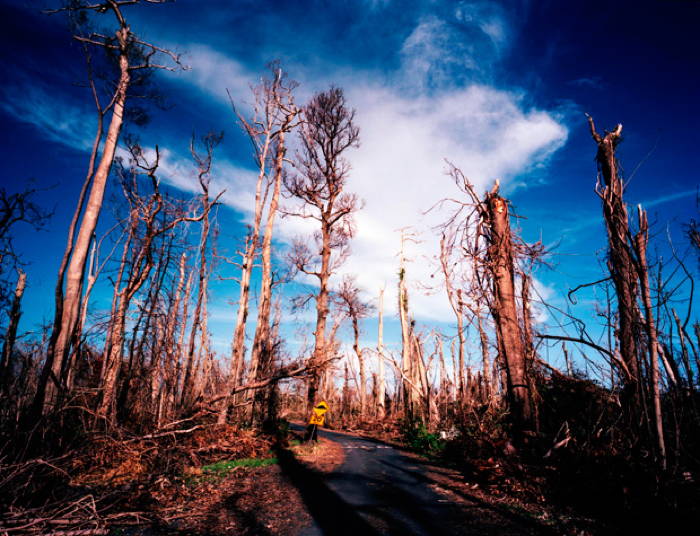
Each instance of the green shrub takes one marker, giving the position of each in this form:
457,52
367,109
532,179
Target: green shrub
420,439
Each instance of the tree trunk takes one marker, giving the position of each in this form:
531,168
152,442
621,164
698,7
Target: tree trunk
620,262
381,381
319,355
8,346
186,394
362,387
640,243
262,343
500,256
47,393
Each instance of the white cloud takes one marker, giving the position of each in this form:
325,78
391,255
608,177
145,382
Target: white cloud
67,124
405,137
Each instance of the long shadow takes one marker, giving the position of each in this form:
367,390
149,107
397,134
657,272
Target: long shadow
330,512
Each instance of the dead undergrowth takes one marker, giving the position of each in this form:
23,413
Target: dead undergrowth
204,478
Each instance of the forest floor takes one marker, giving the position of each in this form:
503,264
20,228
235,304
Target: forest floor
255,498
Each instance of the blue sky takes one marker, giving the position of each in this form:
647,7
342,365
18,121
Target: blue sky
498,88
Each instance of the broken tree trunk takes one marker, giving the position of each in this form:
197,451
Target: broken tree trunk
504,311
620,261
640,244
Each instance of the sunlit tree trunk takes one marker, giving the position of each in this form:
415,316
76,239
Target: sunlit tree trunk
640,244
511,347
381,379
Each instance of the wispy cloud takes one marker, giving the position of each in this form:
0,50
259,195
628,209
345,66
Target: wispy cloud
57,119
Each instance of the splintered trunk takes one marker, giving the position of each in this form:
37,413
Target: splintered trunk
620,261
6,368
640,244
64,330
381,380
505,315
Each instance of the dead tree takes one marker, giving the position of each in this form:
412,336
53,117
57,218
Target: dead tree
272,117
284,113
204,163
6,366
351,301
327,131
410,370
620,258
16,209
454,296
486,236
149,219
381,377
640,247
501,259
133,55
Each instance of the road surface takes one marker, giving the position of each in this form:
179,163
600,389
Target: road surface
380,490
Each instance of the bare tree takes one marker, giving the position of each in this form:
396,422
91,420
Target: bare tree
381,378
327,131
133,56
17,208
11,334
204,163
640,246
150,217
356,309
273,116
284,112
486,236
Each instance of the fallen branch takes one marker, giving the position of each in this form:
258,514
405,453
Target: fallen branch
281,374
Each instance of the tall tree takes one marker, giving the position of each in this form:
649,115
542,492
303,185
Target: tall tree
327,131
272,117
133,55
285,112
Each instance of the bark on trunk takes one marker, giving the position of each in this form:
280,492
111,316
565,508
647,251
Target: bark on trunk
620,262
500,256
640,243
63,332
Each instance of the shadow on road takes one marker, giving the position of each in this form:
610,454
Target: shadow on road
330,512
